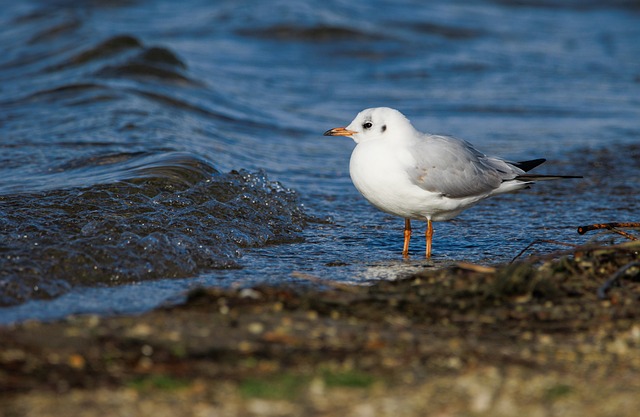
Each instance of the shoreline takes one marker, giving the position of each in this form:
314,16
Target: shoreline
533,337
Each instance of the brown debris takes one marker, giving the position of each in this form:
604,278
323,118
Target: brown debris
614,227
527,338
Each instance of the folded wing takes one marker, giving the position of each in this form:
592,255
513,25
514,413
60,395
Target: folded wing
456,169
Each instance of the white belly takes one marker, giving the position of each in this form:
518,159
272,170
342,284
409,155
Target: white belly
379,174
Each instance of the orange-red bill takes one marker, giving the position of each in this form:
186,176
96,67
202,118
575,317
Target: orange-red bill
339,131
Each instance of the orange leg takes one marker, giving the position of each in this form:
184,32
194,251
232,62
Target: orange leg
429,235
407,237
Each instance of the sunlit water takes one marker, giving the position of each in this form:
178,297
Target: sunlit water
149,147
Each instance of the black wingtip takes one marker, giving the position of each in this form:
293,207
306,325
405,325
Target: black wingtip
527,166
533,177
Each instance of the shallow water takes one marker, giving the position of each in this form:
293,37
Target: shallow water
149,147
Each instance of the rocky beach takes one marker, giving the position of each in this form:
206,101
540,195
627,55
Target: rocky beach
542,336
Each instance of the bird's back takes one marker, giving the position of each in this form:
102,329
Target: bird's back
456,169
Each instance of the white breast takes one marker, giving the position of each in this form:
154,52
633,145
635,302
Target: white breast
379,171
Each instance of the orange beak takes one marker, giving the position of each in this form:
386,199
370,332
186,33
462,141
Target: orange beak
339,131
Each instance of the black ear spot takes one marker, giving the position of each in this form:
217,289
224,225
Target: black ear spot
384,128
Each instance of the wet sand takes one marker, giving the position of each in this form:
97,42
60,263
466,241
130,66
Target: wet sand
539,337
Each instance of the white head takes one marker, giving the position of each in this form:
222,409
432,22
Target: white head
379,122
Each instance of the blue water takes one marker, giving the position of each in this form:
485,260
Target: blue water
149,147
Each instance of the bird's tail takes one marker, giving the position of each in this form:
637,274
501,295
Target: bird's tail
527,166
532,177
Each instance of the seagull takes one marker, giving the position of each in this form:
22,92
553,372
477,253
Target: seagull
420,176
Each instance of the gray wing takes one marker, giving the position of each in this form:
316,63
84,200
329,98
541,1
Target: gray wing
456,169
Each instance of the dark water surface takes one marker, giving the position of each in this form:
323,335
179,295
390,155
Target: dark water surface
149,147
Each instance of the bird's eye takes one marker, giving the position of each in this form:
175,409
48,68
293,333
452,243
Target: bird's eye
367,125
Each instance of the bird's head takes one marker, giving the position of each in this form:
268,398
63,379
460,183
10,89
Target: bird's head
379,122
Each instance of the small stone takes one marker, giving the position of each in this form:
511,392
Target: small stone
76,361
255,328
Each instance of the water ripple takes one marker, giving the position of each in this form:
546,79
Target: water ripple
169,216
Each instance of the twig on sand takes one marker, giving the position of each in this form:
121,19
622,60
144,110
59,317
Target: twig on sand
611,226
538,241
483,269
614,280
